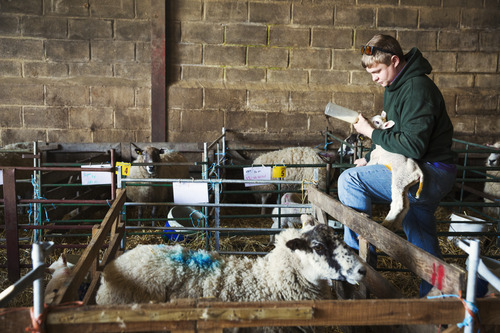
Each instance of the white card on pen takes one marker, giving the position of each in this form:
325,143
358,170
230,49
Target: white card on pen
185,193
96,178
256,173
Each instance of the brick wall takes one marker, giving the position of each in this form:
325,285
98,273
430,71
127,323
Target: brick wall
75,71
266,69
80,71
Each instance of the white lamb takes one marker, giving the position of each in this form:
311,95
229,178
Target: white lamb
491,187
287,156
60,270
405,173
289,221
301,266
151,193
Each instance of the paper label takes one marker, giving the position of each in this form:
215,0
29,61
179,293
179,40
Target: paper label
256,173
96,178
185,193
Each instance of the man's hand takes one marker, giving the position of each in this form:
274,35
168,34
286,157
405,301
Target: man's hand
363,126
360,162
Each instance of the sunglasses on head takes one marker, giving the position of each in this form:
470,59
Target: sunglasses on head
370,50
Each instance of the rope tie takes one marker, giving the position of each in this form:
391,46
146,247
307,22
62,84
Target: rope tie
37,323
471,309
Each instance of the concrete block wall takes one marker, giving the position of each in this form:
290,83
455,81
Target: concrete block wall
266,69
80,71
75,71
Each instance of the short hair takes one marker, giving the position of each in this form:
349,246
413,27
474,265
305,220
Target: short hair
384,42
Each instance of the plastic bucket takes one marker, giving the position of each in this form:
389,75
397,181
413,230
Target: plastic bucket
184,217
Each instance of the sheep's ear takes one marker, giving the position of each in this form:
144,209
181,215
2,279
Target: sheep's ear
383,114
63,259
388,124
307,220
138,151
298,244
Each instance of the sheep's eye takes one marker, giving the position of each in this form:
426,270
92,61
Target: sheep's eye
319,248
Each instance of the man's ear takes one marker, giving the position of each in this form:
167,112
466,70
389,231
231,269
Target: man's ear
395,60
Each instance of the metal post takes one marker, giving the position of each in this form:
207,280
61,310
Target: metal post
471,280
39,250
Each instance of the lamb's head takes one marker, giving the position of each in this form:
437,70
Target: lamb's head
149,155
321,253
494,158
380,121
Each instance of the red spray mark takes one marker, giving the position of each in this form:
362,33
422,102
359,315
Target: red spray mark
437,276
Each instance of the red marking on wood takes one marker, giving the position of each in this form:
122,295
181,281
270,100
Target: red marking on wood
437,276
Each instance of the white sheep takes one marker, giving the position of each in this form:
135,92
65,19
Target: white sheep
491,187
301,266
287,156
151,193
405,173
289,221
60,270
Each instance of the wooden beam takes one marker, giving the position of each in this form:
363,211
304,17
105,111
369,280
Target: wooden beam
149,317
445,277
91,252
158,72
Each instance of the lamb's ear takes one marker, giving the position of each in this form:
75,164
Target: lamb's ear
298,244
138,151
307,220
383,114
388,124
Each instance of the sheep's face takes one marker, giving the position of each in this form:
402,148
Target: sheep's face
151,155
494,158
325,256
352,139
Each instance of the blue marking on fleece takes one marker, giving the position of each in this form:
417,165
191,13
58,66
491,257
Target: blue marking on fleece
194,259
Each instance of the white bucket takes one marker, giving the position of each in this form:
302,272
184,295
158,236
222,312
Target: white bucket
184,217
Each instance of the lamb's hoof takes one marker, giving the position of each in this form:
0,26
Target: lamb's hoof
392,225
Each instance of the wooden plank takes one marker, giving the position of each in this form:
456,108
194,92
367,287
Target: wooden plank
158,72
326,313
445,277
91,252
207,315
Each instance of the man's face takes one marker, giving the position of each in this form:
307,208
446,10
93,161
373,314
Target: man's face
383,74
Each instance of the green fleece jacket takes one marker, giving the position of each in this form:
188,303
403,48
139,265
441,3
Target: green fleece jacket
422,131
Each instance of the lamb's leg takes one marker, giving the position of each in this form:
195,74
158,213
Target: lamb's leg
399,205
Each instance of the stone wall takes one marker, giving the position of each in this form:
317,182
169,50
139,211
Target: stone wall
75,71
266,69
80,71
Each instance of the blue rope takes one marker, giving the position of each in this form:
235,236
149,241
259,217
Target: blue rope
469,306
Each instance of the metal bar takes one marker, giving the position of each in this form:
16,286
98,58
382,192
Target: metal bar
11,232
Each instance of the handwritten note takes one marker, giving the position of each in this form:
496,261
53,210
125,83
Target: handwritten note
256,173
96,178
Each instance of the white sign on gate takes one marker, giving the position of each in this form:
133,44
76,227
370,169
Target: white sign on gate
256,173
96,178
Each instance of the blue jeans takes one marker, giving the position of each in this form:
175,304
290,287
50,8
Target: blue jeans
359,187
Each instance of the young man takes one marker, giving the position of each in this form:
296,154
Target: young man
422,131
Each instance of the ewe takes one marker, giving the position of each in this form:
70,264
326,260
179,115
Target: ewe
301,266
491,187
149,193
